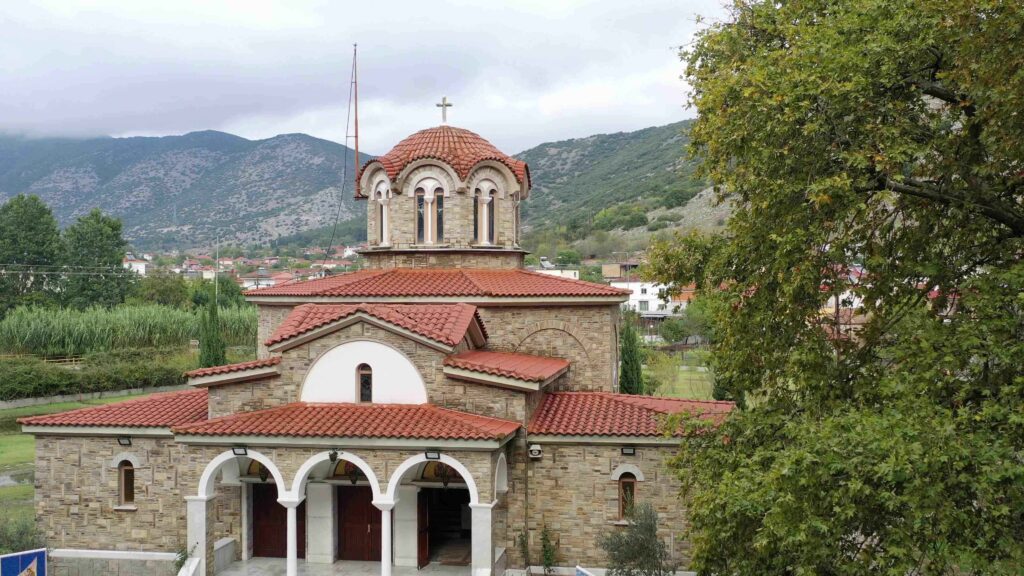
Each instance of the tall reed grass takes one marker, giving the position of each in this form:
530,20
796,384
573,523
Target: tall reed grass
68,332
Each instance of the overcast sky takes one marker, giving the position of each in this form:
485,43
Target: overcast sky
519,73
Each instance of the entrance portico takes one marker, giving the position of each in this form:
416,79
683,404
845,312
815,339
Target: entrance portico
348,511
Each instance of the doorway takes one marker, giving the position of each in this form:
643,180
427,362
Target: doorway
358,524
270,524
444,527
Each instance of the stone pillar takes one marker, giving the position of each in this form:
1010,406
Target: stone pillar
485,217
197,543
482,548
385,507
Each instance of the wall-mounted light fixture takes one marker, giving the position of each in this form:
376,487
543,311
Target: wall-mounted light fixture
240,451
264,473
535,451
629,450
124,440
333,456
432,455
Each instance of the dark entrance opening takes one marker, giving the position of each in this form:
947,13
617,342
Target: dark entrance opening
270,524
448,525
358,524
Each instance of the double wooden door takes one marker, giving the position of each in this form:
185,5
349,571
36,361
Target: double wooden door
270,524
358,524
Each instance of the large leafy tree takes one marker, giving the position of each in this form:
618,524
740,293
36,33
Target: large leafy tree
887,134
29,252
94,250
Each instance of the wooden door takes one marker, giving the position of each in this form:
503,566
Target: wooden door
358,524
422,530
270,524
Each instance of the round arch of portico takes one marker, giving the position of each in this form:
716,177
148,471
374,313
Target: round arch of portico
206,481
396,477
307,467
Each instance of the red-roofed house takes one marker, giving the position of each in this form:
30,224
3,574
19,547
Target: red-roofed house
424,409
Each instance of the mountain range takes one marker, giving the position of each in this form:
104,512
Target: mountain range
202,187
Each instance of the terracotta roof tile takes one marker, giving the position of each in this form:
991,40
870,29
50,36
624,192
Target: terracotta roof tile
445,323
443,282
155,411
302,419
608,414
508,364
239,367
457,147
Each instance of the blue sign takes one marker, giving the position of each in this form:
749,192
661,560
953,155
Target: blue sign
29,563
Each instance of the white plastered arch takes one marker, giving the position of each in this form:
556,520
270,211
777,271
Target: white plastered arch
373,172
396,477
134,460
492,174
207,483
410,178
307,467
501,475
627,469
332,375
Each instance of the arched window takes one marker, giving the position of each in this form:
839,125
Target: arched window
364,378
429,216
484,207
126,483
627,494
383,197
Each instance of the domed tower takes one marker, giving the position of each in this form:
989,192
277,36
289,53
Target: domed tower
445,198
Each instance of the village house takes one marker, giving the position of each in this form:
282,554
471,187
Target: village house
420,413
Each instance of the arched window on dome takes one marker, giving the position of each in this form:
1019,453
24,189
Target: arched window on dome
429,215
382,195
484,208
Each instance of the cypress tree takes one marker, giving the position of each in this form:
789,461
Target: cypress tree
631,379
211,341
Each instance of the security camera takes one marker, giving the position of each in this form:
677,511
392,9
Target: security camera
536,451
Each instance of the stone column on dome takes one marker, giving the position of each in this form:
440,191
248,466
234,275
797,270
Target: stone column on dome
485,215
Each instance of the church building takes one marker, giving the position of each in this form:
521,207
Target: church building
437,410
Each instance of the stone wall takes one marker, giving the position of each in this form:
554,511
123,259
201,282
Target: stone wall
571,492
118,567
76,486
249,396
270,317
584,335
492,258
458,221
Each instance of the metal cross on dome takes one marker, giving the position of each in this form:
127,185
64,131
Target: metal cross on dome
444,106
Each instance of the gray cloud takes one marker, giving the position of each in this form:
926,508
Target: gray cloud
519,73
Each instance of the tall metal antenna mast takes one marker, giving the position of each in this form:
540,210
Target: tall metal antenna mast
355,88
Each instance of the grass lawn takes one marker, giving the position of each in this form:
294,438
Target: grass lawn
691,385
17,452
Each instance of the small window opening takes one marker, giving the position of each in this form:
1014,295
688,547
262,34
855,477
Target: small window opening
364,375
126,482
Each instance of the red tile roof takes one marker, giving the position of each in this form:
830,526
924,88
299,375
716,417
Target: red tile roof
457,147
508,364
443,282
302,419
239,367
608,414
445,323
155,411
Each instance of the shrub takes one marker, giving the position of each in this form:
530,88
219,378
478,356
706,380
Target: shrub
31,377
17,535
548,550
636,549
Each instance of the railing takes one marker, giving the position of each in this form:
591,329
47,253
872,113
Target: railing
191,567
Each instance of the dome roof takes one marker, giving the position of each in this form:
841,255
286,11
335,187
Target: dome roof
457,147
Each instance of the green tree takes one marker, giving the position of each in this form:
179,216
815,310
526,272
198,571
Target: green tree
164,288
212,350
29,252
636,550
229,293
93,251
568,258
631,378
886,134
674,329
